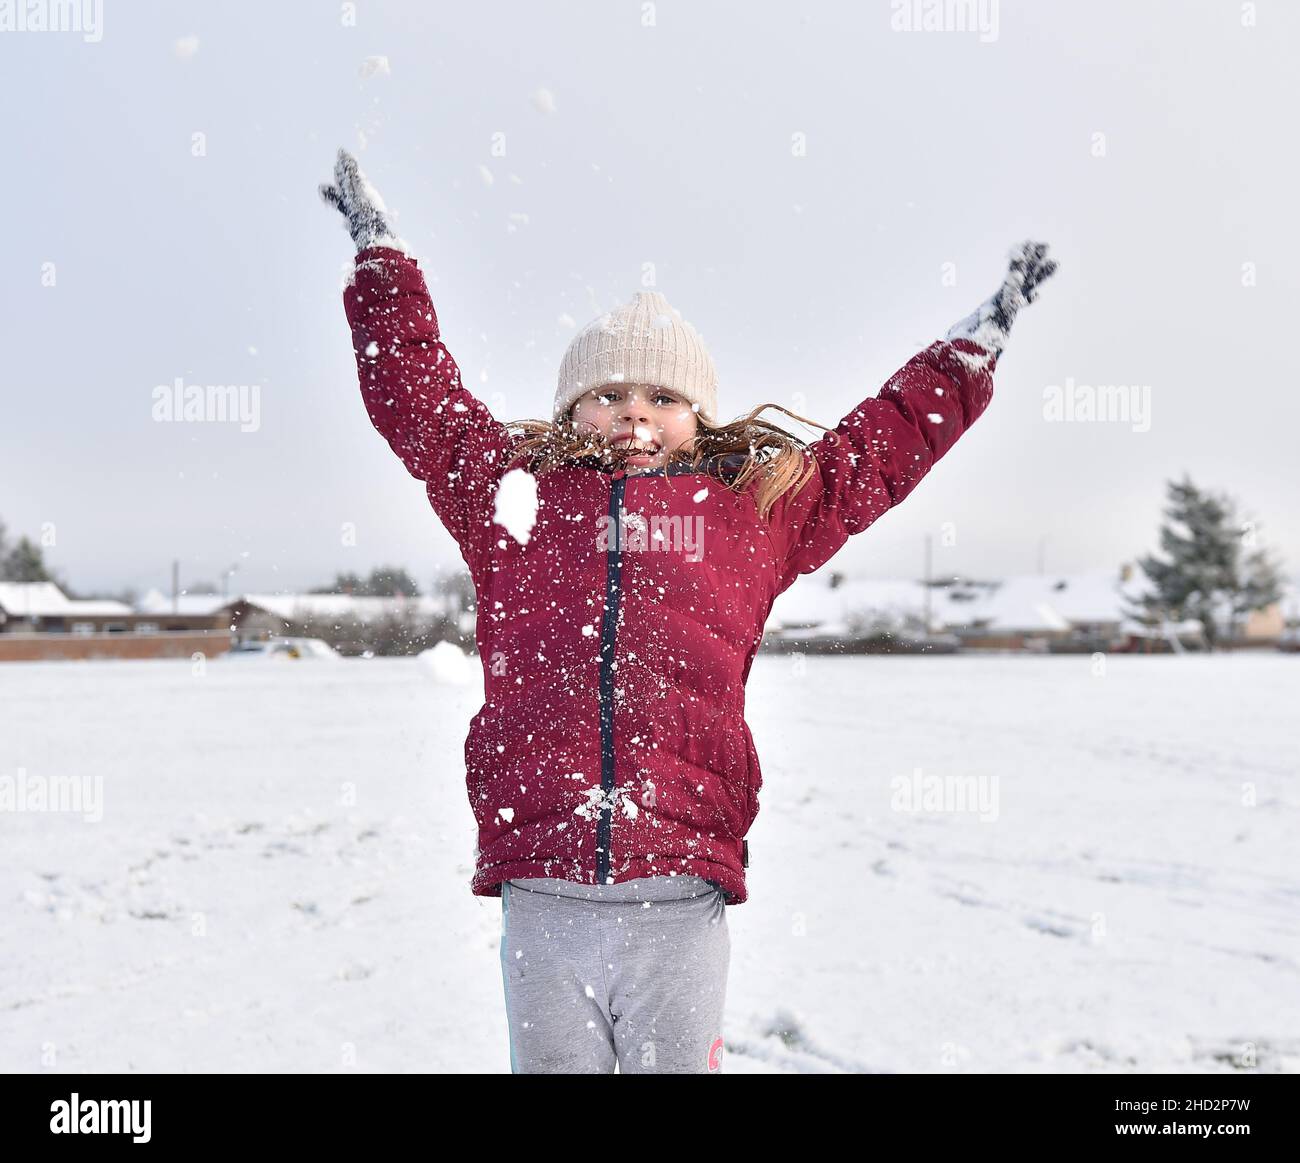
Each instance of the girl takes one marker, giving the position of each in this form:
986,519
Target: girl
610,769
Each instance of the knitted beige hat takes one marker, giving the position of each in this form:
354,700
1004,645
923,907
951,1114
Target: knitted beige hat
645,342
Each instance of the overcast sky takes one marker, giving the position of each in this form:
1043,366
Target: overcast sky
1151,144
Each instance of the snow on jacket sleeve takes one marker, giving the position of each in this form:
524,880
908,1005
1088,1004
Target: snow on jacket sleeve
886,445
412,389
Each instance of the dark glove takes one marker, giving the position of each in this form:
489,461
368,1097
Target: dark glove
990,322
359,202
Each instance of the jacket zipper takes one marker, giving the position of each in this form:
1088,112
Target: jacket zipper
608,632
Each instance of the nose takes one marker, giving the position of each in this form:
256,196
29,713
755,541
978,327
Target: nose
635,410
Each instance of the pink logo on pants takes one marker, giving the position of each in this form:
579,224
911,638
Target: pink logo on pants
715,1056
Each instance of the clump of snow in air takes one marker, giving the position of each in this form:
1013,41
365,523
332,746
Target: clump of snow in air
485,174
515,219
374,67
934,417
700,495
507,814
372,349
185,47
544,101
659,322
516,504
447,663
567,320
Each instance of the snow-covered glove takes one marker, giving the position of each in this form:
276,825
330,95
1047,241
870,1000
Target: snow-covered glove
359,202
990,322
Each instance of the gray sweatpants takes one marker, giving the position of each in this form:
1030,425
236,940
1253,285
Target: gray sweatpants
632,973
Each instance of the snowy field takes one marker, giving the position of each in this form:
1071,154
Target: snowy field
279,881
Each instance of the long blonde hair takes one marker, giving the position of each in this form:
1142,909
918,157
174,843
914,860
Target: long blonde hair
781,460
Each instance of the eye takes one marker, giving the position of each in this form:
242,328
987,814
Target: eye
600,396
666,397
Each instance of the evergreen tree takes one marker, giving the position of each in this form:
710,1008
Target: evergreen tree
457,585
343,583
385,581
388,581
24,563
1206,573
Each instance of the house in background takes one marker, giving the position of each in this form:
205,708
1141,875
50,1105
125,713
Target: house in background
43,608
1054,613
351,622
1043,613
38,622
185,611
827,613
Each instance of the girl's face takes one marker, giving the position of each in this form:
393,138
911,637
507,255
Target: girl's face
655,418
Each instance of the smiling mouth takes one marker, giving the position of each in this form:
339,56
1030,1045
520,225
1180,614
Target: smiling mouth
638,448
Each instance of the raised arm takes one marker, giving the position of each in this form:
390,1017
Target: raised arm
411,386
880,451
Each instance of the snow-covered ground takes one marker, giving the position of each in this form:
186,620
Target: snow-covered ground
279,880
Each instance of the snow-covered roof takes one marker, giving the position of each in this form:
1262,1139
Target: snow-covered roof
294,607
1018,603
812,602
46,600
200,605
1028,602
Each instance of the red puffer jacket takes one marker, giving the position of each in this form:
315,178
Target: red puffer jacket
617,640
